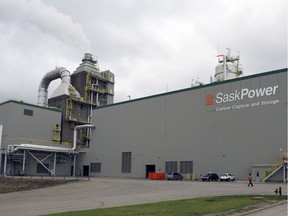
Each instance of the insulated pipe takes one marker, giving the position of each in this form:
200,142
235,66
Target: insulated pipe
60,72
75,134
11,147
75,142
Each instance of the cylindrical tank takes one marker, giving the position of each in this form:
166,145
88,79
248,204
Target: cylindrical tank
231,71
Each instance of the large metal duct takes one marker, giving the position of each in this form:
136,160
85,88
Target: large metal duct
15,147
60,72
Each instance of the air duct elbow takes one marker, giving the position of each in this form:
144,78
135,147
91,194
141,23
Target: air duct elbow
60,72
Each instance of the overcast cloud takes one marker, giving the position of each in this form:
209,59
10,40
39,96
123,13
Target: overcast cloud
151,46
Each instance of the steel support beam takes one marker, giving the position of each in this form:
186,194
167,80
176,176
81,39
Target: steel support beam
5,163
40,161
24,161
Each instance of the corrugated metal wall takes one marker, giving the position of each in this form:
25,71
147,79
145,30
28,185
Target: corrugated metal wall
179,126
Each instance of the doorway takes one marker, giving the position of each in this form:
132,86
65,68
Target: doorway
150,168
86,170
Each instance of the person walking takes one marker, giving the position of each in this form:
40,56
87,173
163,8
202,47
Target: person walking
250,180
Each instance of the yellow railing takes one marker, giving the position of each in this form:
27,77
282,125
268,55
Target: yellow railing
101,90
56,133
69,109
72,92
87,86
274,166
103,76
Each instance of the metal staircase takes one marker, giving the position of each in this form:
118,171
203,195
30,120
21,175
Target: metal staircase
281,164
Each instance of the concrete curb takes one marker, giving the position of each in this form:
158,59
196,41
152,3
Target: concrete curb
262,208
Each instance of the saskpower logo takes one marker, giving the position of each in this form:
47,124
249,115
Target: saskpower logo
209,100
240,95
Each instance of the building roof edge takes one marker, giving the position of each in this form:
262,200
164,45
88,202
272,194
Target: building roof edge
198,87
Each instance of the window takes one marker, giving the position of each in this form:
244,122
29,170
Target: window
171,166
186,166
95,167
28,112
126,162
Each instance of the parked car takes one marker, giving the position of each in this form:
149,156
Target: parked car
210,177
174,176
227,177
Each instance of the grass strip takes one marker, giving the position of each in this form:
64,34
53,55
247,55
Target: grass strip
224,205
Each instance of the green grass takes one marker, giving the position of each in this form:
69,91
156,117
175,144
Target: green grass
211,205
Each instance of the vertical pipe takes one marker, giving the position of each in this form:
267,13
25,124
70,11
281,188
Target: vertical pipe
284,173
24,161
75,134
97,97
54,168
224,67
5,163
74,166
1,129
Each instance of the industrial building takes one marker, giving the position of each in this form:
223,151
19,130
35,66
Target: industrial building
236,124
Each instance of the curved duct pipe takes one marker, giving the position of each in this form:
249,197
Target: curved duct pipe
60,72
75,134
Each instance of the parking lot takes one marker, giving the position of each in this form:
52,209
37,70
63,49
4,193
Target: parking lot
108,192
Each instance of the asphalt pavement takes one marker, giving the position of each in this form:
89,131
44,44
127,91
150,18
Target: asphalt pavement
108,192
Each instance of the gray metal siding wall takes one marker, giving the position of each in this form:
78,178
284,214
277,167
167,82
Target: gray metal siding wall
124,130
4,116
20,128
180,127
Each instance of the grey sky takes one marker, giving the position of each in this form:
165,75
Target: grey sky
151,46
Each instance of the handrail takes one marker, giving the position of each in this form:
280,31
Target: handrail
273,167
